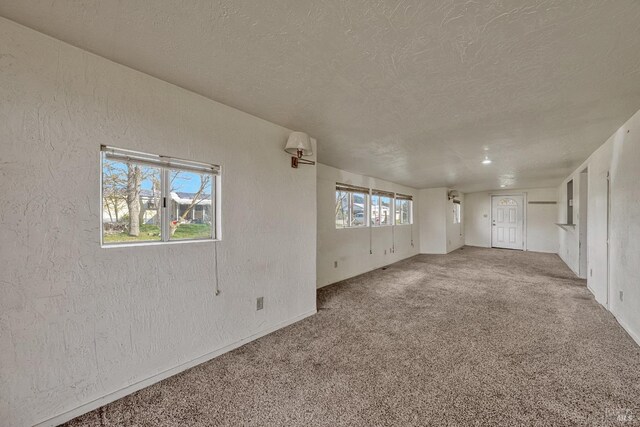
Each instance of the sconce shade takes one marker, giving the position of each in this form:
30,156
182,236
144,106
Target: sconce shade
299,141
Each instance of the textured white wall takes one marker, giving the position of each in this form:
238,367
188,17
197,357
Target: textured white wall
599,164
350,246
433,220
541,231
620,155
78,322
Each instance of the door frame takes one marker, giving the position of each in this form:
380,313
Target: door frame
608,301
583,224
524,216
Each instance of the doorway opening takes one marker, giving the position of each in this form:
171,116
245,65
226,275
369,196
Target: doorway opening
507,219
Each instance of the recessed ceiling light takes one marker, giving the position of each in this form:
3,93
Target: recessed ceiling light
503,185
486,161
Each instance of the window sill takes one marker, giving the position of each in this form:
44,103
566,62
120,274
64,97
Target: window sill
371,226
171,242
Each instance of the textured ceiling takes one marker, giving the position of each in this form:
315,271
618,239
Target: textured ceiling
409,91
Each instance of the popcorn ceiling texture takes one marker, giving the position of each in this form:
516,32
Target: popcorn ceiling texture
78,322
409,91
476,337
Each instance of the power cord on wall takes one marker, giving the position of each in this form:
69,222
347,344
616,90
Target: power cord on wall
393,238
370,240
411,228
370,228
215,254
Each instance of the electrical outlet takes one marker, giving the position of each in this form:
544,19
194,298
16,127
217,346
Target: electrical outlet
260,303
335,264
621,295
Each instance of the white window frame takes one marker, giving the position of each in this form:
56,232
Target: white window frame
409,199
392,206
457,212
165,164
350,190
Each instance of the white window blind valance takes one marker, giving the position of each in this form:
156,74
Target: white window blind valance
156,160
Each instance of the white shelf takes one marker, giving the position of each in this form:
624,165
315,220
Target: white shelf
566,225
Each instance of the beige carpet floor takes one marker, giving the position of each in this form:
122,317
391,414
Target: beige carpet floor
476,337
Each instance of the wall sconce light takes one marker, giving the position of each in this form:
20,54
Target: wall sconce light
299,144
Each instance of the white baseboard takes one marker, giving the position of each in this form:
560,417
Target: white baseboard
635,336
90,406
351,276
626,327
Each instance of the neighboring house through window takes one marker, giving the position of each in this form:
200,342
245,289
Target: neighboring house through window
404,208
351,206
149,198
381,208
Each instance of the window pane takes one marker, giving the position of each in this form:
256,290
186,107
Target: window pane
375,210
407,212
385,210
358,204
342,209
190,205
402,211
130,202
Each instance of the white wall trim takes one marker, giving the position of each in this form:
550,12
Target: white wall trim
627,329
111,397
373,269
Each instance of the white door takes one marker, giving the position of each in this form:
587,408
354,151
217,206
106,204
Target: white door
506,222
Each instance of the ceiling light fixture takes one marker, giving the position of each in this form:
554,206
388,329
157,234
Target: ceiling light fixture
503,185
486,161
